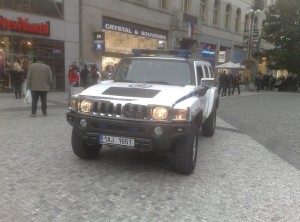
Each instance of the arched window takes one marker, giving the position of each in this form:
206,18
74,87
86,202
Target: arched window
246,24
237,20
216,12
203,11
163,4
227,16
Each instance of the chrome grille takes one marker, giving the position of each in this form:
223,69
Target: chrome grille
106,108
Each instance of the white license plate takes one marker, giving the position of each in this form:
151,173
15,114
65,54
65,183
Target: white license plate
106,139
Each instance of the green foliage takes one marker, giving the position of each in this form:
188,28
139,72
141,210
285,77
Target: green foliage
282,29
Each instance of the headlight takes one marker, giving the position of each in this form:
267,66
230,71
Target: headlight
159,113
180,114
86,106
72,104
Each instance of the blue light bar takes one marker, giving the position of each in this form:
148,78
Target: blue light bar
154,52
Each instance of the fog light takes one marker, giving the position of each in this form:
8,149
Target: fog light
83,123
158,131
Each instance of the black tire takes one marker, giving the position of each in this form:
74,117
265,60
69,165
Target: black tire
83,150
209,126
185,153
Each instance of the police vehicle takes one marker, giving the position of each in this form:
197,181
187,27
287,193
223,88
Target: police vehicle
152,102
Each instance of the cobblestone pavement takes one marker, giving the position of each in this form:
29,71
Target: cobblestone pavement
272,118
236,178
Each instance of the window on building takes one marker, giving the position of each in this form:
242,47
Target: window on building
203,11
227,16
163,4
238,20
186,6
51,8
246,24
216,12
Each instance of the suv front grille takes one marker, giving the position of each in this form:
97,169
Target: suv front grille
106,108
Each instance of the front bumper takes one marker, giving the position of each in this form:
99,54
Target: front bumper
141,131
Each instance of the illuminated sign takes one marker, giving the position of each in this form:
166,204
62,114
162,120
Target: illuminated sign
22,25
99,41
134,29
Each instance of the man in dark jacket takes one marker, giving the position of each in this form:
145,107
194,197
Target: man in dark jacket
39,79
83,76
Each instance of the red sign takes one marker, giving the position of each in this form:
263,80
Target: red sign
22,25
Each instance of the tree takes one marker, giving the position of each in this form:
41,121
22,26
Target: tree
282,29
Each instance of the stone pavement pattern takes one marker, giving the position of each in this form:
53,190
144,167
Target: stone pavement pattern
236,179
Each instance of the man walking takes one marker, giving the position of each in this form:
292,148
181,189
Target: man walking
39,79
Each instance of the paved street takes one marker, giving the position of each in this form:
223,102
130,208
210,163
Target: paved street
236,177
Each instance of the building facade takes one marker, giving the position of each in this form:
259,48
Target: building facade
103,31
213,29
47,29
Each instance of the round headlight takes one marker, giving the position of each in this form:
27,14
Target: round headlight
83,123
86,106
160,113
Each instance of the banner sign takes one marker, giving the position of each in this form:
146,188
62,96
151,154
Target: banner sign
22,25
222,56
133,29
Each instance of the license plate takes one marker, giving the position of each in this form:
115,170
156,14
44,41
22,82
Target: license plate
106,139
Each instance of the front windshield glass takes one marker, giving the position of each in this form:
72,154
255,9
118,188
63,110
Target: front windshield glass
158,71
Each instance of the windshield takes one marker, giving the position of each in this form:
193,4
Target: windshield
159,71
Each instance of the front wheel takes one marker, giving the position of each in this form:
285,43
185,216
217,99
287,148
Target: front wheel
82,149
185,155
209,126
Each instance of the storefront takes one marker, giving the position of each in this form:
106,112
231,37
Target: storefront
121,37
25,41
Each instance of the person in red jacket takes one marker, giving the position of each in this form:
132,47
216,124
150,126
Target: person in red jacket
73,78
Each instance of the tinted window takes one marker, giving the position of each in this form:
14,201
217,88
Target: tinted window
206,71
158,71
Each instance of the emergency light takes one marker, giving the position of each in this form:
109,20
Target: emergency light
160,52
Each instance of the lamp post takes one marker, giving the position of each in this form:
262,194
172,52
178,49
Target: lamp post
252,13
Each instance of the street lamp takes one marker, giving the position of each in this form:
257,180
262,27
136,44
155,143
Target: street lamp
252,13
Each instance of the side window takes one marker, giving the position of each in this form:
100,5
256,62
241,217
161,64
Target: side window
199,74
211,72
206,71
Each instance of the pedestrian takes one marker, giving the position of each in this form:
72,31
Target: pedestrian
75,66
39,80
73,76
94,76
236,83
258,81
18,78
83,76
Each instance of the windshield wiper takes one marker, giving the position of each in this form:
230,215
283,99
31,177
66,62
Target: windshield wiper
158,82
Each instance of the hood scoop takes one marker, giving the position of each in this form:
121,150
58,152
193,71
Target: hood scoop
131,92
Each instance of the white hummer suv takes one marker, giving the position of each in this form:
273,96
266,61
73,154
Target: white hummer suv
151,103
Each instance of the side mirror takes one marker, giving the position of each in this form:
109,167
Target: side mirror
208,82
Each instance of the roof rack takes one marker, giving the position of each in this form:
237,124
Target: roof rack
160,52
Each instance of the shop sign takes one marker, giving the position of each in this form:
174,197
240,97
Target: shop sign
99,41
22,25
134,30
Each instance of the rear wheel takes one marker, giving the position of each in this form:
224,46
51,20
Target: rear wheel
185,154
209,126
82,149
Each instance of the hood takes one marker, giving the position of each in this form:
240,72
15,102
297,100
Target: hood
137,92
